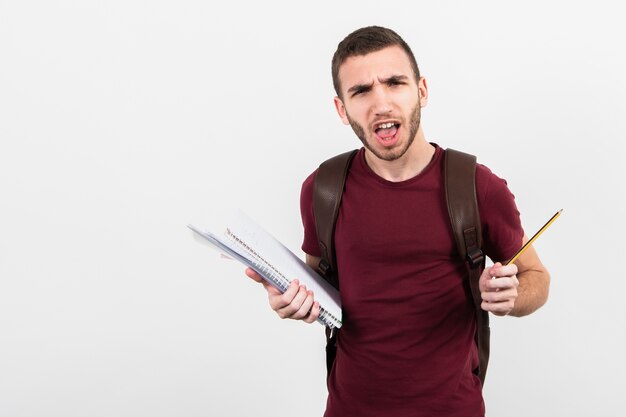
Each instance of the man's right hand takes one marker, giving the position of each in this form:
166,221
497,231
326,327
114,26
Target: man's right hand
295,303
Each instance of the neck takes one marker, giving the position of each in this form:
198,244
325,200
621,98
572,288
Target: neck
416,158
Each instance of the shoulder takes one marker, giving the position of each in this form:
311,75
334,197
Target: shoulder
309,243
488,183
500,218
331,168
310,179
307,186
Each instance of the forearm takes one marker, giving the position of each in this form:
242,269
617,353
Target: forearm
532,291
313,261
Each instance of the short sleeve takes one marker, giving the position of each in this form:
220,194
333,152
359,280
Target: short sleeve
500,218
310,244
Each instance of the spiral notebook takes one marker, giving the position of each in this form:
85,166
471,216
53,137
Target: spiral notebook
247,242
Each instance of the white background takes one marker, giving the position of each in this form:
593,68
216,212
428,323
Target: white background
122,121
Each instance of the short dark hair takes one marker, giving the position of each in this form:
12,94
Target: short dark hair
364,41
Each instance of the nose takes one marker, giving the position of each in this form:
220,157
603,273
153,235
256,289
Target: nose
381,101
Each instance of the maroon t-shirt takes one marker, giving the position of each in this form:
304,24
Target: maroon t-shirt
407,347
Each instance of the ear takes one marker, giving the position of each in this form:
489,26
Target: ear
423,91
341,110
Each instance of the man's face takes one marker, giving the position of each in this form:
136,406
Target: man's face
382,101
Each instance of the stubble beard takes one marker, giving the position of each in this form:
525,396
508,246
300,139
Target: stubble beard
391,154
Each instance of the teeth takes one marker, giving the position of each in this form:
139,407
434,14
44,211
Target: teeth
386,125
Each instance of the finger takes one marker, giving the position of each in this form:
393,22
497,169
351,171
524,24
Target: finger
314,314
305,308
258,278
278,300
499,309
500,270
292,308
485,277
500,296
254,275
494,269
272,291
502,283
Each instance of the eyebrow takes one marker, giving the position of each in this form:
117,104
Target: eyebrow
359,88
366,87
395,78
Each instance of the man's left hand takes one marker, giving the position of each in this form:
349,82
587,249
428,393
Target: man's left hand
498,288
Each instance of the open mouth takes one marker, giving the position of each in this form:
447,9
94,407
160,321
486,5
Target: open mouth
386,132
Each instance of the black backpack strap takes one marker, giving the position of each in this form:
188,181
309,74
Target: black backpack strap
460,184
327,191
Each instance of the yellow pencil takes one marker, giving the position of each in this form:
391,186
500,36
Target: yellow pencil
532,239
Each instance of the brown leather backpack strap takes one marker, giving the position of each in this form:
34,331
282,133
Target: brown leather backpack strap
460,184
327,191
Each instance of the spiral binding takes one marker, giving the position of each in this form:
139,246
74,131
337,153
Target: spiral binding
279,279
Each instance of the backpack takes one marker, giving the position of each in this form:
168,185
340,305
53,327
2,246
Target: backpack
460,189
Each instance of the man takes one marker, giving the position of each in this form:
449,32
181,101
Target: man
406,347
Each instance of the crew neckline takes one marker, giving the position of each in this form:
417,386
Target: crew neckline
370,172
